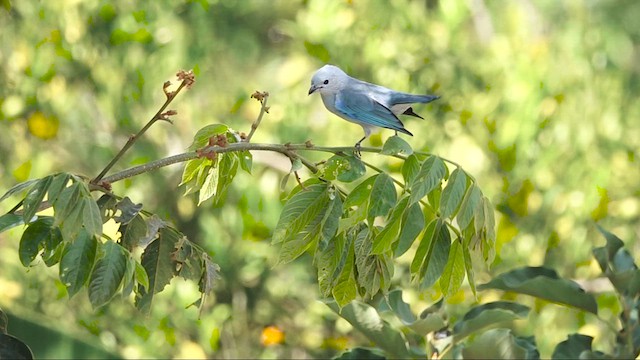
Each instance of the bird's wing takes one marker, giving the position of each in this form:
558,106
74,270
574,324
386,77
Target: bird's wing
364,109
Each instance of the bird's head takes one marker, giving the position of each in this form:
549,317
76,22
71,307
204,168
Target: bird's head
327,79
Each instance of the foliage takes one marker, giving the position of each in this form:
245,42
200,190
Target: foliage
537,108
480,332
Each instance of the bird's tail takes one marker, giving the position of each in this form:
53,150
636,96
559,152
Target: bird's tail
403,98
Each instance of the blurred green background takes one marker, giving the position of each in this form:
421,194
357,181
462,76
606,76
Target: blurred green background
539,102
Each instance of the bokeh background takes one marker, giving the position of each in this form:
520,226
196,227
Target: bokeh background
539,102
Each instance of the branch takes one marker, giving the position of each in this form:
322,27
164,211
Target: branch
187,81
262,97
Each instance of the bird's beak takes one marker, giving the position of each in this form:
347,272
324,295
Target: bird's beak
313,89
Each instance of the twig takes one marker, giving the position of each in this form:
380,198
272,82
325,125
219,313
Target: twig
262,97
187,81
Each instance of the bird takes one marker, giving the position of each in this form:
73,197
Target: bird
368,105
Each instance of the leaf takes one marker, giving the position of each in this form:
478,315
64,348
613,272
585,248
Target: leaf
545,284
352,170
486,315
201,138
246,160
360,194
331,220
210,186
77,262
345,289
366,319
468,206
425,246
382,198
66,203
468,266
228,167
10,220
499,344
431,173
396,145
210,274
453,193
91,216
374,271
385,240
141,276
617,263
427,322
133,232
437,258
412,225
18,188
128,210
107,274
58,184
191,169
300,211
453,272
317,51
159,265
573,347
410,169
359,353
34,198
33,238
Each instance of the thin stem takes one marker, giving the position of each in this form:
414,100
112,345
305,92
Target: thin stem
159,115
262,97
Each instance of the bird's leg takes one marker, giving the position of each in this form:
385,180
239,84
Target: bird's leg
396,132
356,150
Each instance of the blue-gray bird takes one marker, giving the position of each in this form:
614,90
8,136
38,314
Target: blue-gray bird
365,104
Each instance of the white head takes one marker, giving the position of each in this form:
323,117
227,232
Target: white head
328,79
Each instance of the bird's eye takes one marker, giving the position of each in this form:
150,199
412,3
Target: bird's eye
326,82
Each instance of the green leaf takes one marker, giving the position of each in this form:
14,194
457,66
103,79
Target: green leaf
469,204
396,145
437,258
500,344
545,284
158,262
331,220
344,168
77,262
228,167
302,211
577,346
317,51
10,220
359,353
374,271
201,139
410,169
431,173
412,225
107,274
617,264
468,266
128,210
58,184
91,217
359,196
385,240
141,276
18,188
453,193
210,186
191,169
246,161
67,202
34,198
428,321
425,246
352,170
366,319
486,315
345,289
453,272
33,239
382,198
133,232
